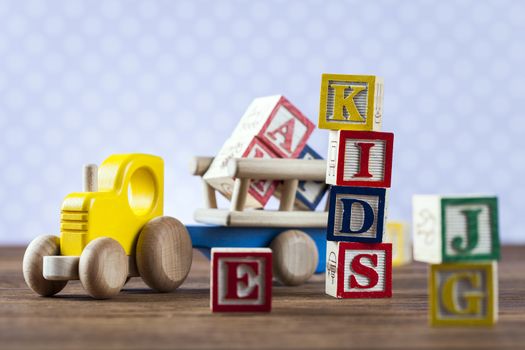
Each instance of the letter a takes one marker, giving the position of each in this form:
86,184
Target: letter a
341,102
286,130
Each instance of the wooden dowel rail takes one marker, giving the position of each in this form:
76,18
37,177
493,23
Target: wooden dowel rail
277,169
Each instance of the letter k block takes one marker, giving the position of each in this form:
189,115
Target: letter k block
360,158
351,102
356,214
463,294
241,280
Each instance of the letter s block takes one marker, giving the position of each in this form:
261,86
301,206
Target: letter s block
463,294
454,228
241,280
359,158
351,102
356,270
356,214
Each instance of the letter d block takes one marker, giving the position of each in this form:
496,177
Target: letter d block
351,102
449,229
359,158
463,294
241,280
356,214
356,270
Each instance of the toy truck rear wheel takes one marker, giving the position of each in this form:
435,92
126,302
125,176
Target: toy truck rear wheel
295,257
103,268
33,262
164,253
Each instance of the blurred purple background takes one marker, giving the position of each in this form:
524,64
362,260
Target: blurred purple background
80,80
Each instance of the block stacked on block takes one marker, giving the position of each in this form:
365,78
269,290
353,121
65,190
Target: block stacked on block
459,235
359,167
271,127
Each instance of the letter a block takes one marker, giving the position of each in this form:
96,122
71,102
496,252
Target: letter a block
448,229
275,125
463,294
351,102
356,270
397,233
356,214
359,158
241,279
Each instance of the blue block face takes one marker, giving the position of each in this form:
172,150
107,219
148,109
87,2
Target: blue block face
310,193
356,214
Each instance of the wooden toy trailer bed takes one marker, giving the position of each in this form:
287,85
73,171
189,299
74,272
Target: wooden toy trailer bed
297,238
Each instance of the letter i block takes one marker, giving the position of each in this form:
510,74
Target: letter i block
309,193
359,158
463,294
356,214
351,102
356,270
241,280
397,233
448,229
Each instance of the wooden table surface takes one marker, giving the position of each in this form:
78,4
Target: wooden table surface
302,317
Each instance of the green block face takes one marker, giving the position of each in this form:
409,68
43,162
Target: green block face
470,229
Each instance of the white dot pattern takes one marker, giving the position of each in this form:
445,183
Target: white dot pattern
80,80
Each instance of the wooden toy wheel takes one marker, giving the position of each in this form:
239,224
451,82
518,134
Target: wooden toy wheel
295,257
41,246
164,253
103,268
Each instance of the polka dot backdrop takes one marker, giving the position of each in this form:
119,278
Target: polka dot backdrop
80,80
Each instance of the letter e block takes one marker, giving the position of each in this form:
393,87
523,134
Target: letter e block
455,228
357,270
241,280
356,214
463,294
351,102
397,233
359,158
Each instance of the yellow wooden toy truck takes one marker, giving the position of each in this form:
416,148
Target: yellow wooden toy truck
112,233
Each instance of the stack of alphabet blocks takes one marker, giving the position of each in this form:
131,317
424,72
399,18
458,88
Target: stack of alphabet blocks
459,236
359,167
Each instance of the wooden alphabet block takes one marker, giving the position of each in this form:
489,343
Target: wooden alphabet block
241,280
356,214
397,233
351,102
356,270
359,158
463,294
278,129
309,193
455,228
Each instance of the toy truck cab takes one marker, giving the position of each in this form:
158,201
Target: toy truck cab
297,237
112,231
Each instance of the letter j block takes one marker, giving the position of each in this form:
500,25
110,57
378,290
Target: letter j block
357,270
455,228
360,158
356,214
241,280
351,102
463,294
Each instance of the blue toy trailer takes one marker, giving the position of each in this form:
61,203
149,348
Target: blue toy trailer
297,238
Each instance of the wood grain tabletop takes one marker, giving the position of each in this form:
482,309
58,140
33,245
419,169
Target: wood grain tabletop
302,317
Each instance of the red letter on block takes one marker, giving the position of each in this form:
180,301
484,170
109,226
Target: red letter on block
364,159
241,279
364,270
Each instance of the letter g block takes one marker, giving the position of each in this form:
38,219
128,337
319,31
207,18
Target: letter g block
356,214
463,294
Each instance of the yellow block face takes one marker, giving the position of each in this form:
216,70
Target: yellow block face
463,294
130,193
351,102
397,233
